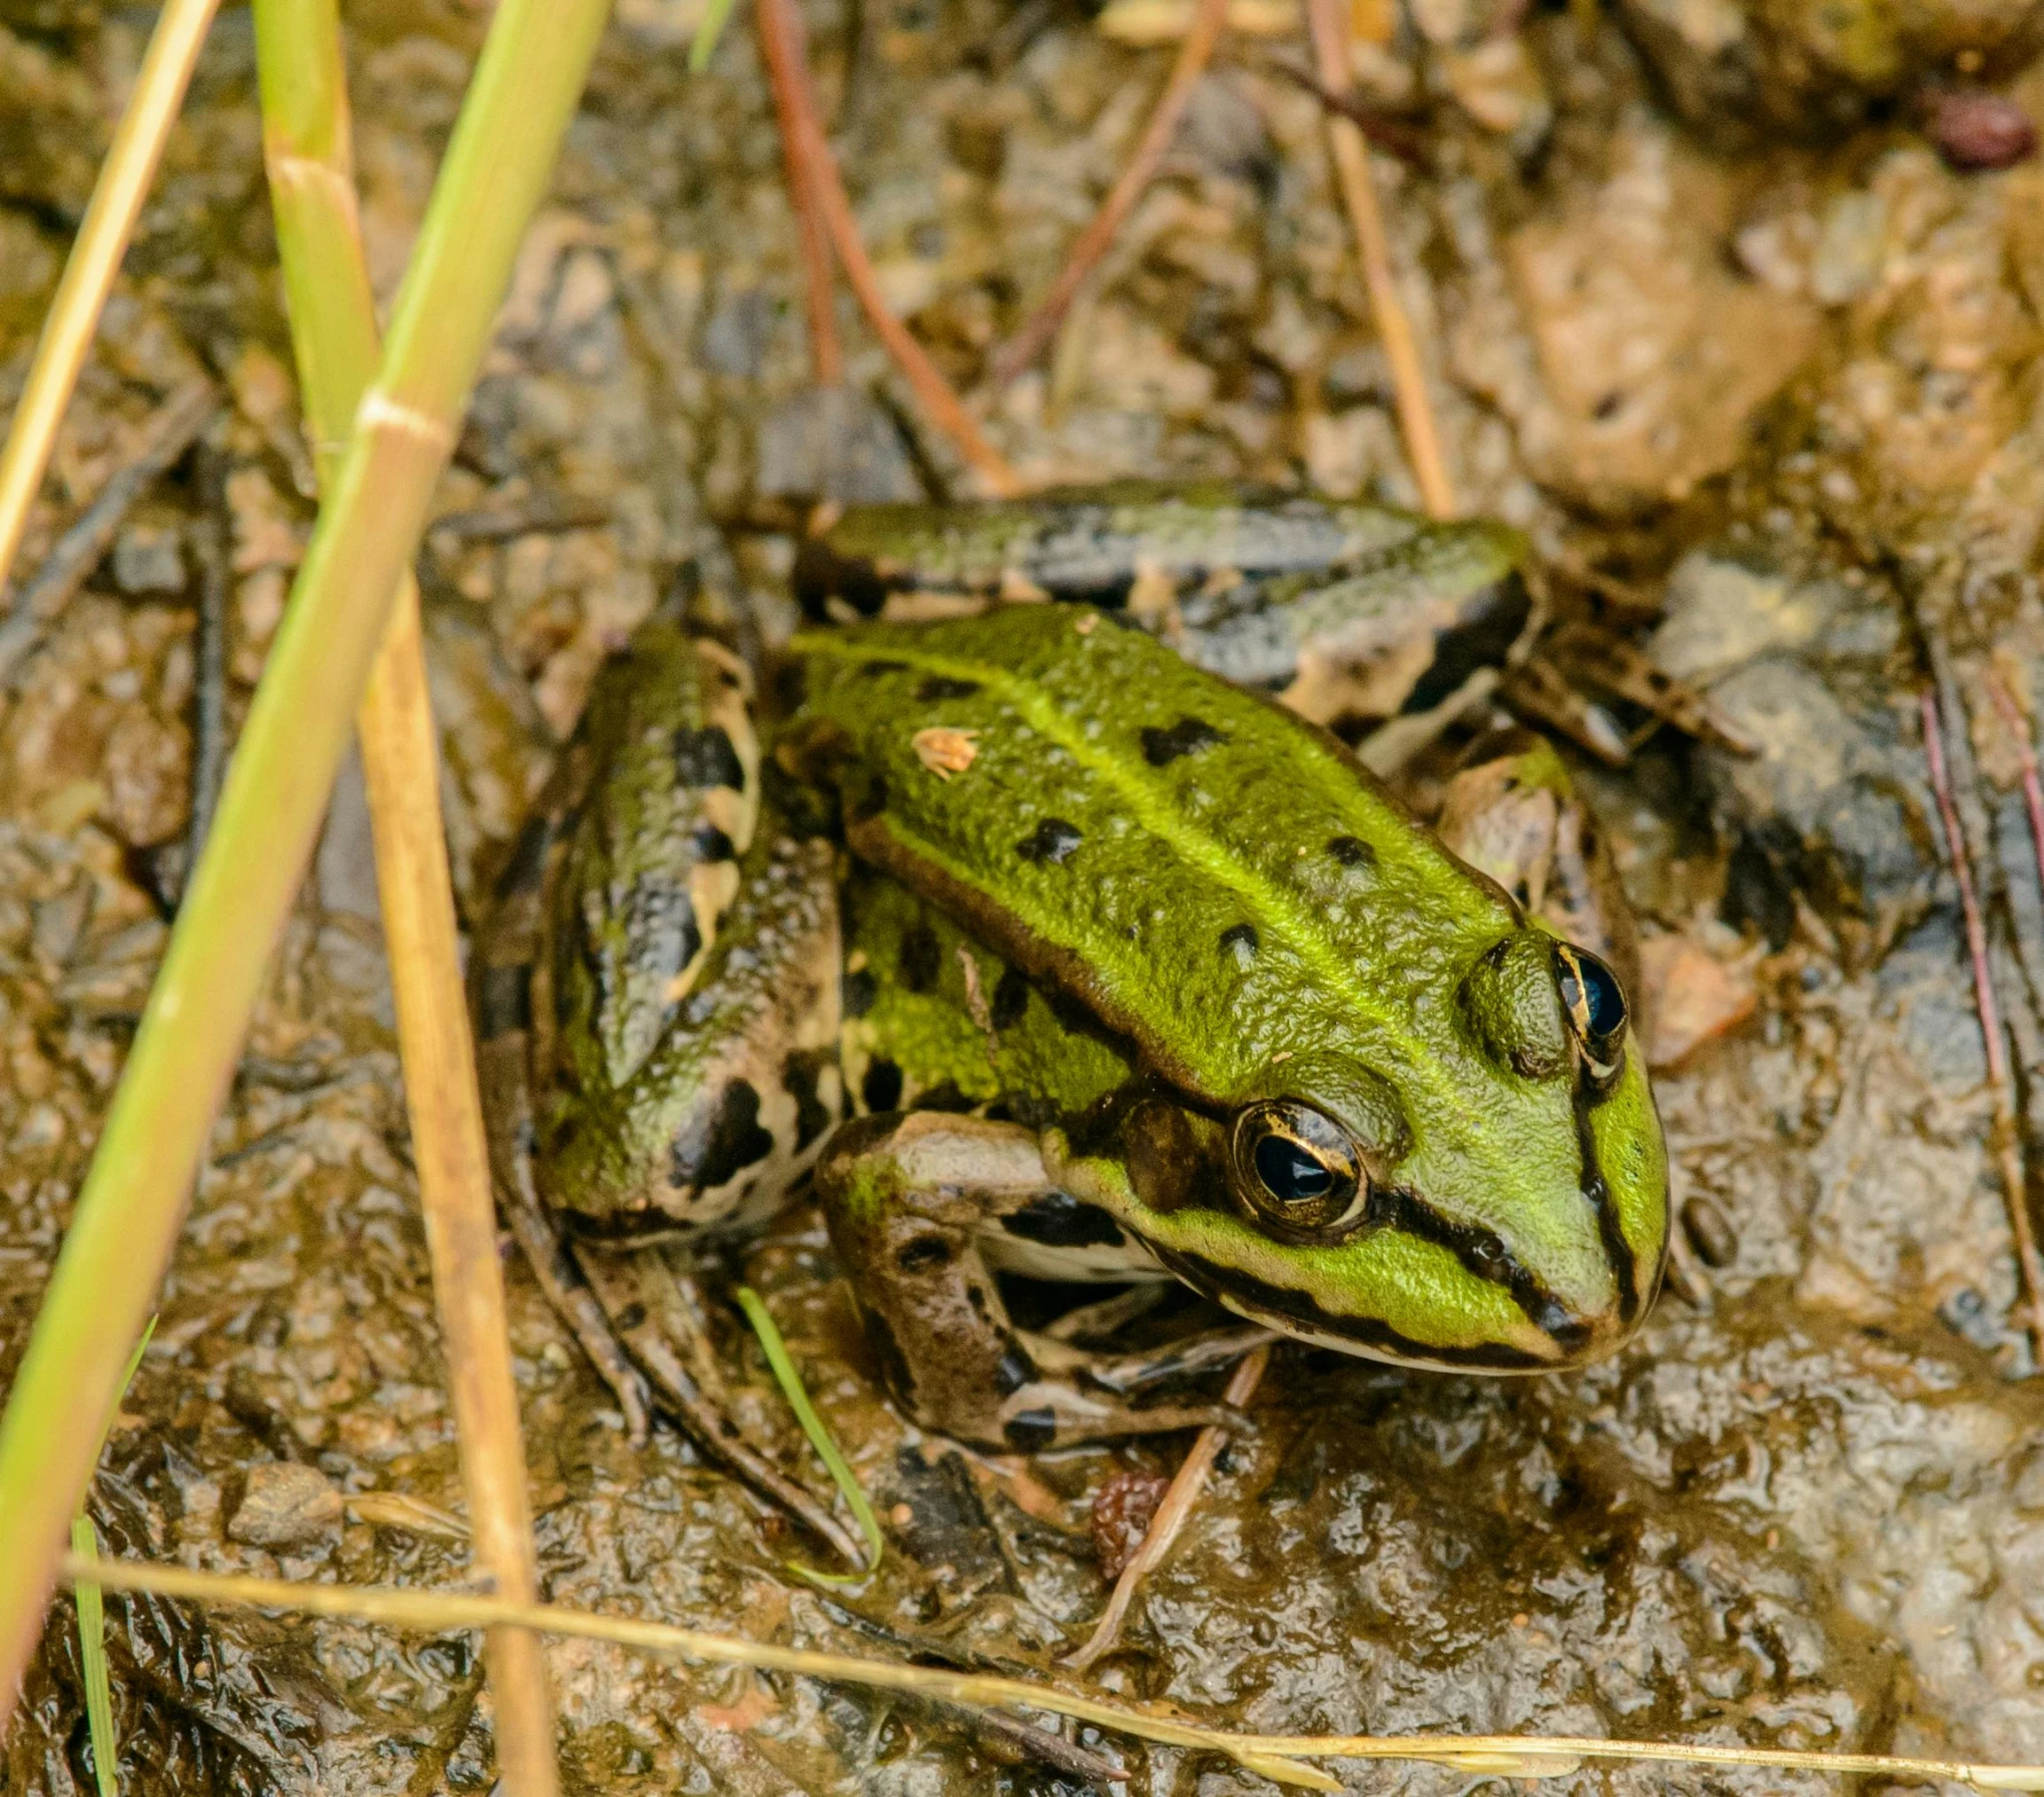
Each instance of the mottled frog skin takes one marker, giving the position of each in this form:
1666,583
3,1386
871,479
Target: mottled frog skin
1038,947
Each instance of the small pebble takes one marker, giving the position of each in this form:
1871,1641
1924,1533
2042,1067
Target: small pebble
1121,1514
1977,130
1710,1233
285,1504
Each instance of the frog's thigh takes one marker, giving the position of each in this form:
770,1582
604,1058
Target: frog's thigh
906,1198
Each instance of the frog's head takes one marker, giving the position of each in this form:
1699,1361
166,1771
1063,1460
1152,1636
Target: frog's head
1485,1190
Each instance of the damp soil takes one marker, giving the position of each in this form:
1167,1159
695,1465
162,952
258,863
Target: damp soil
1766,401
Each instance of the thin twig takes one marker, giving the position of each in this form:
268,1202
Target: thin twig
2007,1140
781,39
1329,22
1178,1500
826,354
209,649
442,1613
307,133
1093,243
95,259
167,434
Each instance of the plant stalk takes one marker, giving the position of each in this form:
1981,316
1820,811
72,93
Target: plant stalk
334,330
126,1222
95,260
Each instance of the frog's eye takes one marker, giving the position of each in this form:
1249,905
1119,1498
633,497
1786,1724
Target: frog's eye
1596,1004
1299,1171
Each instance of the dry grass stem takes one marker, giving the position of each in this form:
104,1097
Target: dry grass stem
440,1612
826,353
154,1136
95,260
307,134
1328,20
1186,1484
1093,243
2007,1140
781,39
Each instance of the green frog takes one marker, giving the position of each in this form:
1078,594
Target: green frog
1033,928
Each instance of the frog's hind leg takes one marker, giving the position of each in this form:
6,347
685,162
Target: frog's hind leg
907,1199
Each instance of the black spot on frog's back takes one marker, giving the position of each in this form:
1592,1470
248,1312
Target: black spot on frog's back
714,1150
1011,999
1238,943
881,1087
1186,737
857,992
1352,852
921,958
705,758
1053,840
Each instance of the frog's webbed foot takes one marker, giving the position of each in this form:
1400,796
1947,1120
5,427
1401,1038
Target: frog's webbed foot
654,1313
906,1198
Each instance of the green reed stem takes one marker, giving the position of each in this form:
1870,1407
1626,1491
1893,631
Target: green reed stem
499,163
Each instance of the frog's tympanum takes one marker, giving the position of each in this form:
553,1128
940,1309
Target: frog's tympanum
1043,947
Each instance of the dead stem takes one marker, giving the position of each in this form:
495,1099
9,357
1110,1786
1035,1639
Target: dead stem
307,134
826,354
1328,20
442,1613
2007,1142
1178,1500
400,768
781,39
95,259
1093,243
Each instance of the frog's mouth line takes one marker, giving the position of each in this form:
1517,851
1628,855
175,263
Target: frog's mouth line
1299,1314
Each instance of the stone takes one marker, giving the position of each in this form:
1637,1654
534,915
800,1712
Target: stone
285,1504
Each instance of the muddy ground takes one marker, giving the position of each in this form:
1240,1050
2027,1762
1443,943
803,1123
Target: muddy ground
1709,312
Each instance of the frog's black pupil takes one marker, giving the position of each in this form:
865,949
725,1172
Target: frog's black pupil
1603,1001
1290,1173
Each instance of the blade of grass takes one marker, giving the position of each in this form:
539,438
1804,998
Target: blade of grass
95,260
92,1660
1273,1755
499,163
92,1615
818,1431
306,139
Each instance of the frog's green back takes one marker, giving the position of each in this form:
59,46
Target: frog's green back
1225,887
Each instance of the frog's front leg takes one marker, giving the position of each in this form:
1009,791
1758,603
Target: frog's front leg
908,1199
